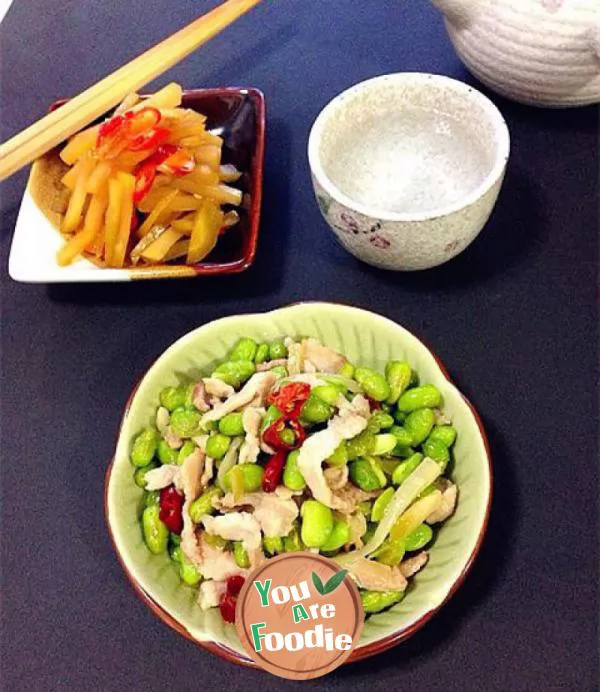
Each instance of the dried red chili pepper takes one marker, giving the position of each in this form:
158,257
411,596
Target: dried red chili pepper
274,471
234,584
275,438
227,607
290,398
373,405
171,504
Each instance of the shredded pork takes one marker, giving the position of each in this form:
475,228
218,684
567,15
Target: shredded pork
191,484
254,391
210,593
275,513
414,564
372,575
350,422
251,420
162,477
447,505
323,358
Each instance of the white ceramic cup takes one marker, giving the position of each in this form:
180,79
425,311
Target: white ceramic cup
407,168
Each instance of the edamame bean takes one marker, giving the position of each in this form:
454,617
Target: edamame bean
379,420
402,435
340,456
418,538
436,450
173,397
364,475
365,508
445,434
398,374
288,437
376,601
389,465
390,552
252,476
235,372
175,553
403,452
144,447
317,523
189,573
185,422
374,384
279,371
262,354
329,393
217,446
240,555
405,468
316,411
165,454
185,450
139,476
427,396
156,534
384,444
273,545
347,370
272,414
378,470
381,503
174,539
232,425
277,350
419,424
292,543
339,536
151,498
292,478
215,541
245,349
400,417
203,505
361,445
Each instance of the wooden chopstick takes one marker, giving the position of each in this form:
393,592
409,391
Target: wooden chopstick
57,126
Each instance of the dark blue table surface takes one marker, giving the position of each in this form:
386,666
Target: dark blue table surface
514,319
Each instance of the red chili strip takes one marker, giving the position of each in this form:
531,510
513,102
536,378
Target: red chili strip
290,398
274,471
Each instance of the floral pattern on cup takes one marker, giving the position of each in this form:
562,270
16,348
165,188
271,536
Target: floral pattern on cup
552,5
380,241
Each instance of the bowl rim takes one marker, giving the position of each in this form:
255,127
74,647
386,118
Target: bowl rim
256,173
360,652
393,80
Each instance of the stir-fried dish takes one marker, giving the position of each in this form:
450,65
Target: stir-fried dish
287,447
146,186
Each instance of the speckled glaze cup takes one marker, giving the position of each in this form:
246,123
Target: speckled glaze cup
407,168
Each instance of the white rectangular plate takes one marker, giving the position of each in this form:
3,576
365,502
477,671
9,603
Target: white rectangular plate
33,253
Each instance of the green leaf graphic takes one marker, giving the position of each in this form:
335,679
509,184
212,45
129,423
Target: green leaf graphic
316,580
335,581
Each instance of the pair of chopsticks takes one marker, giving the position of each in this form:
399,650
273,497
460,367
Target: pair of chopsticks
57,126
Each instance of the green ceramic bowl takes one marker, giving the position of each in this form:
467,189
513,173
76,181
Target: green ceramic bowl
365,338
